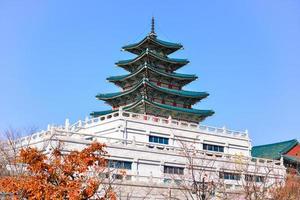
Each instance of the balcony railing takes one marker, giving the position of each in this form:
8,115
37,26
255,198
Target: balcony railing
89,122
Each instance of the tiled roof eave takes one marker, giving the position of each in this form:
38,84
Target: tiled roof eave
100,113
188,94
274,150
204,113
178,76
143,100
169,60
154,40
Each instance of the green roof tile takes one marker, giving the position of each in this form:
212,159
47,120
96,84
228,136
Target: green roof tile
191,94
203,113
153,54
273,151
154,40
100,113
173,74
184,93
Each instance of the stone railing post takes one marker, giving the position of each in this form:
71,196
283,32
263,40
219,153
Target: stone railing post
281,160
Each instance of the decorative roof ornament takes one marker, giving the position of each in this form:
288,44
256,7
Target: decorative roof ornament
152,33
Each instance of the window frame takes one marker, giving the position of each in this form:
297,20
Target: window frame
120,164
230,176
173,170
158,139
212,147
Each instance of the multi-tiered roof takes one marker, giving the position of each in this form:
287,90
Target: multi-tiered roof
152,86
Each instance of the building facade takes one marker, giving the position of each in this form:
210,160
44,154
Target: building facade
153,133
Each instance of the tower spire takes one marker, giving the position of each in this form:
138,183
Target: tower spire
152,33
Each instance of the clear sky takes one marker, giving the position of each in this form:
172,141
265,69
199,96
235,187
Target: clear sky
55,56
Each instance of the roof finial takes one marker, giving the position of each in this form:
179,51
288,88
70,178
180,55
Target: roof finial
152,27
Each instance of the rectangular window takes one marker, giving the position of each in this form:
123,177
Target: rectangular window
252,178
211,147
221,149
160,140
216,148
89,138
229,176
120,164
173,170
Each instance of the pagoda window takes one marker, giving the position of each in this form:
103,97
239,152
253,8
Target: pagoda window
169,103
170,86
174,104
158,83
164,85
163,101
179,105
159,140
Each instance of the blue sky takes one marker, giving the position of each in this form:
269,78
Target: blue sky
55,57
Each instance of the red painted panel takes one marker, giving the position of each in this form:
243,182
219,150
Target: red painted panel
295,151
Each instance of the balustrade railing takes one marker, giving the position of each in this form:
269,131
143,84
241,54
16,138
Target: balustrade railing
159,120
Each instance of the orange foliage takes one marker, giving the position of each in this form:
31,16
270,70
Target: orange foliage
59,176
289,191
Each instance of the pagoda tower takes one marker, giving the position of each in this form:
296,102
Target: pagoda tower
152,86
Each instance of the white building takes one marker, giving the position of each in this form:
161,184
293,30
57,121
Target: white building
150,149
152,126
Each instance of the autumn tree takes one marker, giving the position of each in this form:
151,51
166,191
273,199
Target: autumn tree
289,190
59,175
